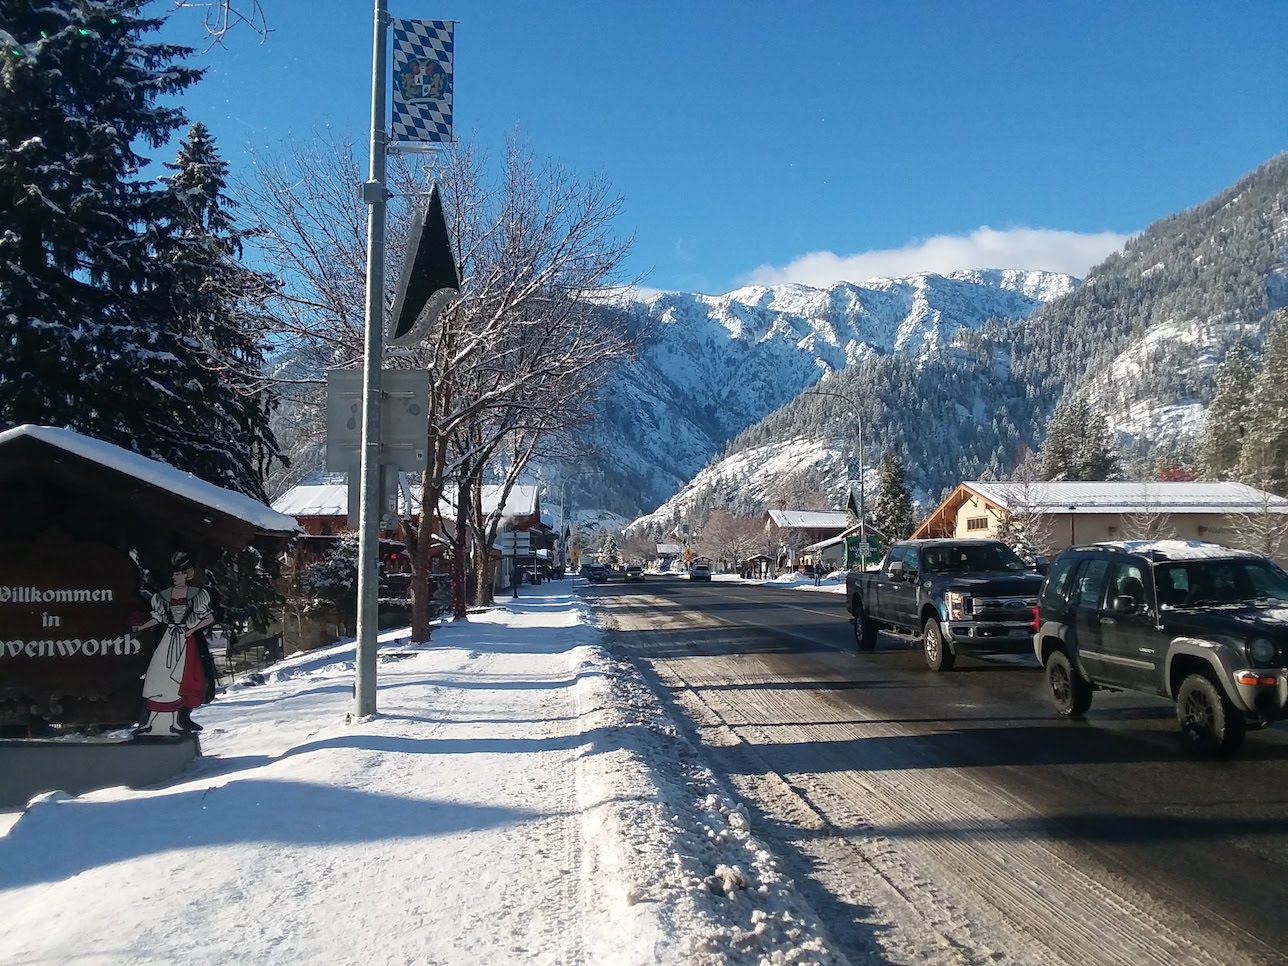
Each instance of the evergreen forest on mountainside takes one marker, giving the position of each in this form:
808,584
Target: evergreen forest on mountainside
1147,330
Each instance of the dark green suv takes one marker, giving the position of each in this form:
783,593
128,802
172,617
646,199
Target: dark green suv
1198,623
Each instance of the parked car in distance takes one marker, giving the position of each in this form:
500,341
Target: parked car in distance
633,572
1202,625
596,573
952,593
699,572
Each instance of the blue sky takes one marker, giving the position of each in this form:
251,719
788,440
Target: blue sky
813,141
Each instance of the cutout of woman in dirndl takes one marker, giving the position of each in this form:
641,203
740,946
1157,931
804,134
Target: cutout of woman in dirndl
175,683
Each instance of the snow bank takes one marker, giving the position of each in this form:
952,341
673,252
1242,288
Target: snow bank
521,797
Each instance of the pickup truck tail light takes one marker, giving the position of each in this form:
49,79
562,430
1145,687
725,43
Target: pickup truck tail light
1035,618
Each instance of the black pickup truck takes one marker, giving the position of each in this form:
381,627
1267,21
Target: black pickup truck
950,594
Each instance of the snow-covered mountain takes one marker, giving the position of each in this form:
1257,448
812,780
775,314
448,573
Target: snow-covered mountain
1142,338
718,364
739,481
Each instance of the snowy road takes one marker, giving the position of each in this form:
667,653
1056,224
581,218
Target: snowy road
953,818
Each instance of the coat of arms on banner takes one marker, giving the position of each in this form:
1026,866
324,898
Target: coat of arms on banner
422,96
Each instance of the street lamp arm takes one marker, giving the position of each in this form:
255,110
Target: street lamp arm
858,415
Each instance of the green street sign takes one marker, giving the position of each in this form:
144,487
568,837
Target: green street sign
858,550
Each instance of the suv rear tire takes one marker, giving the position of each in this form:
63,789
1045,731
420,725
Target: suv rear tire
865,629
1210,725
939,656
1070,691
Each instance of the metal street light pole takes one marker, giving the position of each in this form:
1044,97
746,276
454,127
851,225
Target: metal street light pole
863,507
374,194
858,415
514,561
564,531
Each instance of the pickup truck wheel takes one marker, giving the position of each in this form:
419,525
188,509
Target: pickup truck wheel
1211,726
865,630
938,655
1070,691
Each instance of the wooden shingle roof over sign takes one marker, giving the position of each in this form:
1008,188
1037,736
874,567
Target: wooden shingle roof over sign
122,481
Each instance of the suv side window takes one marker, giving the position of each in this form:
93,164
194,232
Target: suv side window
1090,585
1056,589
1126,579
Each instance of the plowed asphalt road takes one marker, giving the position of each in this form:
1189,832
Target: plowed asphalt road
953,817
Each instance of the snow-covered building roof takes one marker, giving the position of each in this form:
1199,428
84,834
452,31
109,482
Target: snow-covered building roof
328,496
809,519
158,474
1130,496
1106,499
323,499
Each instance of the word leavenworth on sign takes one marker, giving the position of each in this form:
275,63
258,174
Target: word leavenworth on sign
118,646
68,654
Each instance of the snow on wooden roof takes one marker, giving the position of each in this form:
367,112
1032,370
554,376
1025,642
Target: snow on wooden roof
809,519
328,496
325,499
1130,496
158,474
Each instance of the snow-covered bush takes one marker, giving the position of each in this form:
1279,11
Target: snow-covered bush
334,579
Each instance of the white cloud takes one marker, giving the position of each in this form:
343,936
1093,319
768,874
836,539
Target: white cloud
1024,248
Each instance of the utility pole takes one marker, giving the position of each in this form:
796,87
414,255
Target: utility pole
863,507
514,561
565,532
374,194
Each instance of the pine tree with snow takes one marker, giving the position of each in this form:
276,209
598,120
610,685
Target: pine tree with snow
1058,456
1078,444
85,343
892,511
1263,457
334,580
1228,416
201,285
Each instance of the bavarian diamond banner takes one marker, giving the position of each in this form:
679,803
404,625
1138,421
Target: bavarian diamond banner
422,80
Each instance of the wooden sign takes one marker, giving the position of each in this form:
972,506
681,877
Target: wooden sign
67,654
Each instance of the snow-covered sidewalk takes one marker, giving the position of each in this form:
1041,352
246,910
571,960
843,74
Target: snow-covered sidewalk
521,798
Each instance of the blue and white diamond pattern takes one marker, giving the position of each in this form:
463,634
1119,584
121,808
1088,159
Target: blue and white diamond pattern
422,80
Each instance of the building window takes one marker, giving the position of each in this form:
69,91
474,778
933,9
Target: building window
977,523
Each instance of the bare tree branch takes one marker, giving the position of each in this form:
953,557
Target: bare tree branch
220,17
